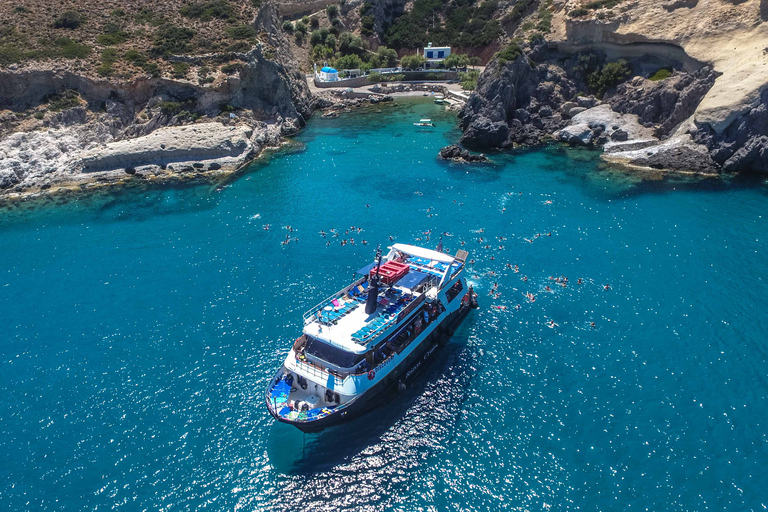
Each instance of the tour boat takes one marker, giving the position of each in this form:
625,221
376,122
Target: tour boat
370,339
425,122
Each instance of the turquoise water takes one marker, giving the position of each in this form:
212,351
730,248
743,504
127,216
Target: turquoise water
140,330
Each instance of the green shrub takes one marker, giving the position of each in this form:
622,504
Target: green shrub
366,25
117,13
113,34
69,19
206,80
603,4
206,11
389,77
241,32
180,69
169,108
66,100
365,8
148,17
171,39
577,13
468,80
140,59
510,53
39,115
239,47
108,58
66,48
518,10
305,20
332,10
301,27
321,52
608,76
231,69
661,74
20,9
314,22
536,37
287,26
545,18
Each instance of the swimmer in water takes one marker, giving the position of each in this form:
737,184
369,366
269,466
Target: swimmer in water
592,325
607,287
580,281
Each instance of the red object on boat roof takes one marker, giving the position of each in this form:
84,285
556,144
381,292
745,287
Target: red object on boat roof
391,271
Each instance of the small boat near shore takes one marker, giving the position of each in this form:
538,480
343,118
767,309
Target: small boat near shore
370,339
425,122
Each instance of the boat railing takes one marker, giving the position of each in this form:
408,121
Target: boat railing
317,372
311,312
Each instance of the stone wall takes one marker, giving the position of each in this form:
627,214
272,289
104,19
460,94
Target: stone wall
352,82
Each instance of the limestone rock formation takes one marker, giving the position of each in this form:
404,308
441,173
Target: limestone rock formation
198,142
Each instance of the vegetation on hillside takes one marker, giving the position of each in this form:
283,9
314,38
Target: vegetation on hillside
451,23
120,40
599,75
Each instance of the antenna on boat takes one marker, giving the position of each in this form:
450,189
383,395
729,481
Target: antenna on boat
373,289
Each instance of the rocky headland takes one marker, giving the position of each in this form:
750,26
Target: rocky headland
661,85
63,127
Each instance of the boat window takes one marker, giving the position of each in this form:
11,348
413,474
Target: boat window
332,355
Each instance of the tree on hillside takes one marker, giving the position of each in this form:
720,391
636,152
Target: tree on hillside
348,62
412,61
384,58
456,60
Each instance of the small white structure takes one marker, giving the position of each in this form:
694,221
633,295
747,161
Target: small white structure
435,54
327,74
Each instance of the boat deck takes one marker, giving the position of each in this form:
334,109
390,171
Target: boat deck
351,328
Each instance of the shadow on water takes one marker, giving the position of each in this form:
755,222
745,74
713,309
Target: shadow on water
605,181
316,454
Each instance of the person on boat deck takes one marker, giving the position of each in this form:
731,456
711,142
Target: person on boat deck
417,325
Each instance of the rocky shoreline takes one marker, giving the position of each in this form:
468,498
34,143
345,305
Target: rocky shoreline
61,131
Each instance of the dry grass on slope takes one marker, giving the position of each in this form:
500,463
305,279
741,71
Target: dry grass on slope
121,39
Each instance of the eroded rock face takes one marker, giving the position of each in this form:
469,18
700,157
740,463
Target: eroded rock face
205,141
664,104
515,103
743,146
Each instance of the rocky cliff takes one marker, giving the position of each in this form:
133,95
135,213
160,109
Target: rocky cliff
696,76
56,121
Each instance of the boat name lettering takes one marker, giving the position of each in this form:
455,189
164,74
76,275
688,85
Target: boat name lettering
418,364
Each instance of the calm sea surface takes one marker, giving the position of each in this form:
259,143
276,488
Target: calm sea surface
139,331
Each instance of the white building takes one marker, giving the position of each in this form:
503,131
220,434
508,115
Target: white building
435,54
327,74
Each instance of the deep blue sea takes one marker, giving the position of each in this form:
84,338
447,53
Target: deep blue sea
141,326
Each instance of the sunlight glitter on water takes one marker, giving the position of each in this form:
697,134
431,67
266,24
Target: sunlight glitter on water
141,331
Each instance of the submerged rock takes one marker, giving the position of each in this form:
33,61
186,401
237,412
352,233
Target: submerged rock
456,153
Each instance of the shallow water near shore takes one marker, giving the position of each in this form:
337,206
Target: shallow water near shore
141,329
